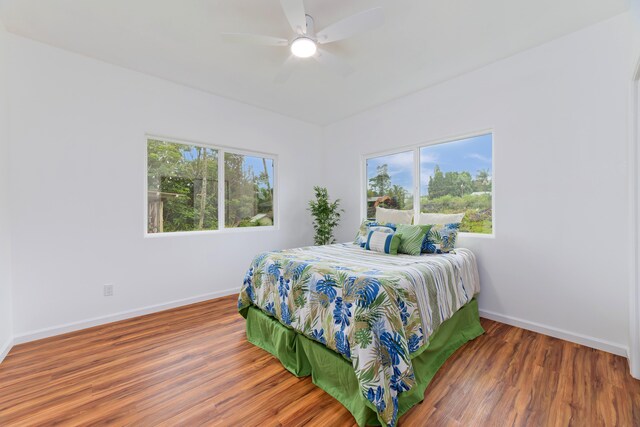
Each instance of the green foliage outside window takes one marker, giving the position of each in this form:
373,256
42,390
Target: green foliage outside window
450,192
456,192
384,191
249,192
452,177
182,184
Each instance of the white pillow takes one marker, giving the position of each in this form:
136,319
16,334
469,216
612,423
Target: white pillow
439,219
393,216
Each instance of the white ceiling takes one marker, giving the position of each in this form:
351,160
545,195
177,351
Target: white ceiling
423,42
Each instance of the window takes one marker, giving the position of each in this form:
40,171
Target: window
183,188
454,177
390,182
248,184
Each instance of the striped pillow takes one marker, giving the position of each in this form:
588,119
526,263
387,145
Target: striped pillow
367,226
412,238
386,243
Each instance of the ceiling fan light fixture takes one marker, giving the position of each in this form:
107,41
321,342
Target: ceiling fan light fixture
303,47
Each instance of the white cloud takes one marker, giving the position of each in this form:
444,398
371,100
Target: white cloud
404,160
400,160
428,158
397,163
480,157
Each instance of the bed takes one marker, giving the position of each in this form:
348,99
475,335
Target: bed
371,329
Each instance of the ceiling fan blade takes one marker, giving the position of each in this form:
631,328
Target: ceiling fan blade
352,25
286,70
294,11
254,39
334,63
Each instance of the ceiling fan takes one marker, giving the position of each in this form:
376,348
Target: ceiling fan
305,42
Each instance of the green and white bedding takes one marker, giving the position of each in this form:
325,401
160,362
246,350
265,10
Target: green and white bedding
377,310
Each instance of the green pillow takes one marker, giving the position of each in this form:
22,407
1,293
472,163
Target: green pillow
411,238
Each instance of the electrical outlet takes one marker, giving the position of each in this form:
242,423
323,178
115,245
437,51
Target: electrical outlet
108,290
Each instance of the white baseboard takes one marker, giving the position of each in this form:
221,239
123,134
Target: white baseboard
585,340
96,321
5,349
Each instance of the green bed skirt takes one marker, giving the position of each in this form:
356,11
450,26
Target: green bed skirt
335,375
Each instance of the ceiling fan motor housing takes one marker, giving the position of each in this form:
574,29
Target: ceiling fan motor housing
311,29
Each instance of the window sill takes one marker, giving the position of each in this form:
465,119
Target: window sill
210,232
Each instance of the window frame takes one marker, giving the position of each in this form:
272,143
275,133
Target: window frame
415,148
221,150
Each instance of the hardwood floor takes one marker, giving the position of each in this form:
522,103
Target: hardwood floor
192,366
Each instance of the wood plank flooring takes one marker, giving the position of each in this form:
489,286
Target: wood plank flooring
192,366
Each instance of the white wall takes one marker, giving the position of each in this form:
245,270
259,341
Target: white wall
77,167
6,327
558,261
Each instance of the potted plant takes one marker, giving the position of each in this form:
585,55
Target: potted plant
326,216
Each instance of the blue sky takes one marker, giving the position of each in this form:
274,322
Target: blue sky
471,154
255,163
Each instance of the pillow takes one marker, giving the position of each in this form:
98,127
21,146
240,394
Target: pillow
361,237
412,238
441,239
439,219
386,243
393,216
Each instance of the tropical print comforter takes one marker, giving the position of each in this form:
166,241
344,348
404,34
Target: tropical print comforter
376,310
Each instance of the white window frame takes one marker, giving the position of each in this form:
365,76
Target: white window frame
415,148
221,149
